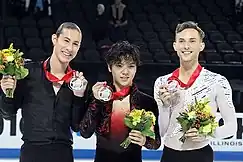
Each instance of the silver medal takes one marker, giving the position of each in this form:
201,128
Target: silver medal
105,93
76,84
172,86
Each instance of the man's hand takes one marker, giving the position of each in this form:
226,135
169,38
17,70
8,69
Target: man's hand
137,137
80,93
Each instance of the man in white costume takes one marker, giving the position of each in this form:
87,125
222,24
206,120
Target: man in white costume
194,81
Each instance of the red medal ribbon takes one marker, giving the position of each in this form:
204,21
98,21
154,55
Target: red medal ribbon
120,94
66,78
195,74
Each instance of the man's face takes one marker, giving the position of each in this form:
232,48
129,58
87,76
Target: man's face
100,9
188,45
123,73
66,46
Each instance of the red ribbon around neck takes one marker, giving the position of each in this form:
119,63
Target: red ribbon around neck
120,94
195,74
66,78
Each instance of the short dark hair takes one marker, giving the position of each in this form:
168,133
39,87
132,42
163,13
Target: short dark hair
67,25
190,25
123,51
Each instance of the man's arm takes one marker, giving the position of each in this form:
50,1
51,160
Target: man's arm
91,118
164,112
79,108
227,109
10,106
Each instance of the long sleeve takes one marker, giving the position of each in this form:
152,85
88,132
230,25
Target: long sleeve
79,108
164,112
89,122
154,143
10,106
227,109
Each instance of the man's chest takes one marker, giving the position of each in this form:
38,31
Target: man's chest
204,87
121,105
39,90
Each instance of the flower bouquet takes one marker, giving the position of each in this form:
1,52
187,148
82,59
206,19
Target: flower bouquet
12,63
198,116
142,121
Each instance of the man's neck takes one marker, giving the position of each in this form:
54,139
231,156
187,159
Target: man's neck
186,69
56,66
118,88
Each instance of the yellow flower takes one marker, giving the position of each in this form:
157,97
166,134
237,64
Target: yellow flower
191,115
8,55
148,113
136,120
207,128
9,58
136,116
136,113
154,119
207,109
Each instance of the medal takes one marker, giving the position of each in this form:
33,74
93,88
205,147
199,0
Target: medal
76,84
105,93
172,86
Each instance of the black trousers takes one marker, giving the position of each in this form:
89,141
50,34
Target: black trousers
46,153
104,155
204,154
